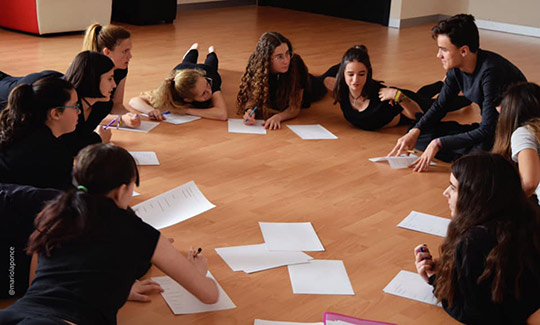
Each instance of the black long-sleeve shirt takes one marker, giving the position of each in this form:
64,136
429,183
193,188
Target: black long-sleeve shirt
485,87
472,300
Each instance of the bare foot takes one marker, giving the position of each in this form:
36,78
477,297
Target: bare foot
194,46
211,49
329,83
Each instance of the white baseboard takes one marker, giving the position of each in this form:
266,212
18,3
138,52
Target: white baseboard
482,24
508,28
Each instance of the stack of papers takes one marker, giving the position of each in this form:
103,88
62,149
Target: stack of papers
254,258
145,158
410,285
312,132
237,126
399,162
146,126
180,119
182,301
425,223
174,206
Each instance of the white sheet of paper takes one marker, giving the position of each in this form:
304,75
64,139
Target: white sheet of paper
254,258
425,223
399,162
182,301
312,132
273,322
174,206
135,194
146,126
237,126
145,158
323,277
180,119
290,236
410,285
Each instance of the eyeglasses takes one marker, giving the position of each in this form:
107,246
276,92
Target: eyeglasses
77,107
283,57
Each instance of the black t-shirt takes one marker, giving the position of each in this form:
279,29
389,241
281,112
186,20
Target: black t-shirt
19,206
88,280
375,116
472,302
210,73
7,82
38,159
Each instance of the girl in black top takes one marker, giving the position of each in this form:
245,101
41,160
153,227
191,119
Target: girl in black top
91,247
114,42
368,104
31,152
92,75
277,82
190,88
488,271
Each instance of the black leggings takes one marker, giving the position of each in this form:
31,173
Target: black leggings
8,83
193,55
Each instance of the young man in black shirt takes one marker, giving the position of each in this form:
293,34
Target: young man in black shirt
481,75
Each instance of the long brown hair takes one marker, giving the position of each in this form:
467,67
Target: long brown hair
490,197
254,85
28,106
520,106
75,214
98,37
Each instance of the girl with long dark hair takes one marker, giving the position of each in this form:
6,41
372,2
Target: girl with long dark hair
488,271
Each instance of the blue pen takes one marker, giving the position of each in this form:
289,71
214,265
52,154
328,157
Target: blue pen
252,112
164,113
110,123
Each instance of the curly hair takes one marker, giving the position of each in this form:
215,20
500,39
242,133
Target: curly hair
175,89
490,197
254,85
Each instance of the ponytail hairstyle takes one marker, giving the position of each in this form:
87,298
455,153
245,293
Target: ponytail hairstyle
254,85
28,107
520,107
76,214
85,72
490,198
98,37
358,53
175,89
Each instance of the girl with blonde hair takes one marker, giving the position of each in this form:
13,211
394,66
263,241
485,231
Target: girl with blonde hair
190,88
114,42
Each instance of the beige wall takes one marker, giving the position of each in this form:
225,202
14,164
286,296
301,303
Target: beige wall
518,12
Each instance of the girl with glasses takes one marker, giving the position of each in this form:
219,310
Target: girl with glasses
277,81
36,116
191,88
90,248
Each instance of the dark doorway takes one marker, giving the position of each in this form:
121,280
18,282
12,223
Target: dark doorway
373,11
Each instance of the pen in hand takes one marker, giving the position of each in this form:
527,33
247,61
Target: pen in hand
110,123
197,252
252,112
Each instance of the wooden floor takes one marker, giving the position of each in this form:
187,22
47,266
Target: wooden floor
354,204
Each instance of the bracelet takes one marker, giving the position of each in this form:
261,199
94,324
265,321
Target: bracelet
438,143
398,98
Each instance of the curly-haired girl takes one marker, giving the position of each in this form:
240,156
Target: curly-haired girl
277,82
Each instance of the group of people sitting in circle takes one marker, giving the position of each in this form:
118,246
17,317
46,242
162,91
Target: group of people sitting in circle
76,219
